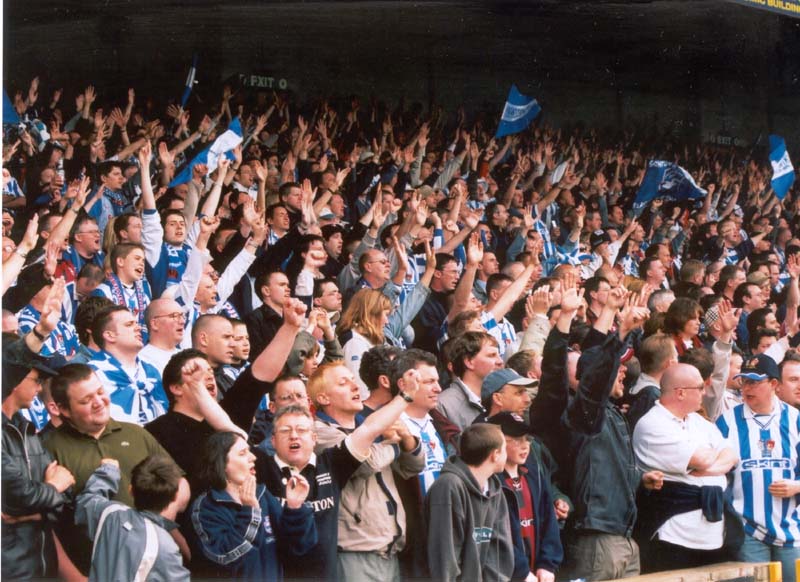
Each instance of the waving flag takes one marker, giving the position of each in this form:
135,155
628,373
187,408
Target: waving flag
211,155
668,181
189,82
518,113
782,169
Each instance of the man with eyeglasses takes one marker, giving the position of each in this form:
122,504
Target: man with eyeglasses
330,468
286,391
85,243
677,529
766,488
166,322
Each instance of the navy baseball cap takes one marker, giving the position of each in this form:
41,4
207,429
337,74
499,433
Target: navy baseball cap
511,424
758,368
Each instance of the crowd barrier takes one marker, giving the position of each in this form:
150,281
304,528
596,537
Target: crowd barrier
727,572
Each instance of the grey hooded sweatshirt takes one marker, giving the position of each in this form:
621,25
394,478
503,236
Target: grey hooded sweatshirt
469,533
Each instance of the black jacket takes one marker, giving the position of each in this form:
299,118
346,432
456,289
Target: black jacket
262,325
28,550
604,476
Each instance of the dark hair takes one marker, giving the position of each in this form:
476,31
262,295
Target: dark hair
679,313
791,357
644,266
67,375
466,347
726,273
214,459
755,337
285,188
478,441
521,362
122,221
155,483
494,281
273,386
172,371
443,259
263,280
409,360
319,284
105,168
91,271
101,321
270,214
757,319
701,359
375,362
592,285
171,212
121,250
86,313
741,292
460,322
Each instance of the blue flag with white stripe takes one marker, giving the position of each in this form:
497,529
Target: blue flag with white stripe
668,181
210,156
782,169
189,82
518,113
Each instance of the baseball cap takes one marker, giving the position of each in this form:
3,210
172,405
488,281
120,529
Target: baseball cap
16,366
424,192
758,368
599,237
495,381
511,424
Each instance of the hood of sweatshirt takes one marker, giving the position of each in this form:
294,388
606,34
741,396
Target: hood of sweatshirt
455,465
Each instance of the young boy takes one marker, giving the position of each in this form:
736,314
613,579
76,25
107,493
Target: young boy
134,543
468,527
534,526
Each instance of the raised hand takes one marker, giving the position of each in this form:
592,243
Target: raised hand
539,302
571,300
31,235
51,312
474,250
294,312
297,489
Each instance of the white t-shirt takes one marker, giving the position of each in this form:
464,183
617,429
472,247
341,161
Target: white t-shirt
156,356
664,442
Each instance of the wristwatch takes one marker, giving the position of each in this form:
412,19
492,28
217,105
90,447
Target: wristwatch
405,396
39,336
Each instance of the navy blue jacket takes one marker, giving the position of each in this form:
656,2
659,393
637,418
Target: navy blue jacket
549,552
243,542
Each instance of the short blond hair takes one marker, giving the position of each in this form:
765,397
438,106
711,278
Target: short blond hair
317,381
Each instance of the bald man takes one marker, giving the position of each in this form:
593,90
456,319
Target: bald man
680,527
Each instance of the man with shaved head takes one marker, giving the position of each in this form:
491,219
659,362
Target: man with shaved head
681,526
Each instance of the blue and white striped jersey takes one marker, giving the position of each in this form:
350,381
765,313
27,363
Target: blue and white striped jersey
768,448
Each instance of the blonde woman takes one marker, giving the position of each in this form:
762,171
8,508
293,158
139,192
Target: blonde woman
362,327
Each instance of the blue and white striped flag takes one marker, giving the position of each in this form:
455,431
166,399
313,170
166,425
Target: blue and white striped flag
189,82
211,155
782,169
518,113
666,180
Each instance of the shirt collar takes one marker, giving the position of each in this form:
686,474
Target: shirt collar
312,462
